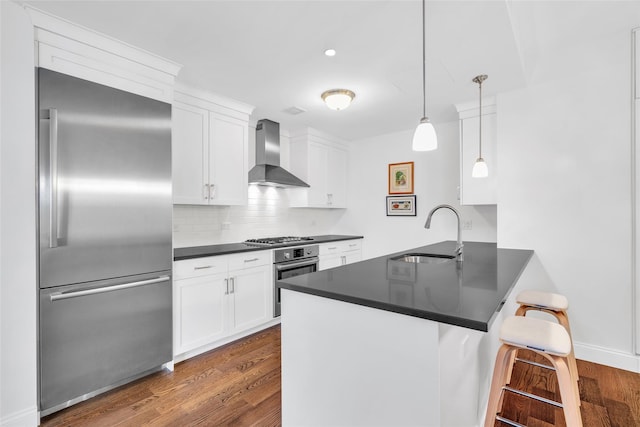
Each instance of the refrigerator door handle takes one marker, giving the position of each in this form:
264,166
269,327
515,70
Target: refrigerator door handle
51,114
62,296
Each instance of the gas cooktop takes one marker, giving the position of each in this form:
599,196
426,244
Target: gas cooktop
277,241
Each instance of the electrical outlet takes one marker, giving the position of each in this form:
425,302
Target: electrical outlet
225,226
467,224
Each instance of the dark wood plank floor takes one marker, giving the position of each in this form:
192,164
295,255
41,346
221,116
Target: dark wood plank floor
610,397
239,384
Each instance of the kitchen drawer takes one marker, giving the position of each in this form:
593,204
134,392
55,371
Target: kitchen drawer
249,259
200,266
351,245
339,247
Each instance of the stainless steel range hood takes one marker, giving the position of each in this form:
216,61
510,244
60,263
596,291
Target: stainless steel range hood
267,170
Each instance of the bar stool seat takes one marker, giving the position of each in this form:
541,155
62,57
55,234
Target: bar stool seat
551,341
547,300
536,334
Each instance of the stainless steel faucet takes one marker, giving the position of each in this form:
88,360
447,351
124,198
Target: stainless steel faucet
459,255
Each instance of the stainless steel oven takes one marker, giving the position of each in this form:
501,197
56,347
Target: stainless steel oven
291,262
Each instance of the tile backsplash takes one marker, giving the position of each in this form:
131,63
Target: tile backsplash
267,213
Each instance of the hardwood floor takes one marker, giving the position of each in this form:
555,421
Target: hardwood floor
610,397
239,385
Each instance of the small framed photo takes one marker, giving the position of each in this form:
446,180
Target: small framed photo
401,205
401,178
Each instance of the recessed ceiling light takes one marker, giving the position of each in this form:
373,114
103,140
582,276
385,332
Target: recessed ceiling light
330,52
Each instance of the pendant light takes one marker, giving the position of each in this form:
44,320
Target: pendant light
424,138
480,169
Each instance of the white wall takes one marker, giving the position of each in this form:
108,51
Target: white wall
564,148
435,182
18,401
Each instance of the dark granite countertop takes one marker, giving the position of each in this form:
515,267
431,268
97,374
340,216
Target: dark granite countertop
467,294
231,248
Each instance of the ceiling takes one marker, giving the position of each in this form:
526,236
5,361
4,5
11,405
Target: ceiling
269,53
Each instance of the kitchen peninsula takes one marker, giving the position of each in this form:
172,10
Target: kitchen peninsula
390,342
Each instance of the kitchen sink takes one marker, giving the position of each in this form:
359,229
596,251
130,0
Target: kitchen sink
423,258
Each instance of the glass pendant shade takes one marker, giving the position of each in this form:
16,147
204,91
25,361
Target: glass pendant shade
480,169
424,138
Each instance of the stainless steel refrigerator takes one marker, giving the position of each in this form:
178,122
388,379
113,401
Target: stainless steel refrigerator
105,253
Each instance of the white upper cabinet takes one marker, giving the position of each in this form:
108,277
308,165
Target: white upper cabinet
209,144
190,140
80,52
228,173
321,161
478,191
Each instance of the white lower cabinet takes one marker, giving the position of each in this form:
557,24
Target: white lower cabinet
218,297
250,298
335,254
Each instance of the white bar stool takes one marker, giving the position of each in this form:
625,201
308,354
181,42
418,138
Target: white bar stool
547,339
556,305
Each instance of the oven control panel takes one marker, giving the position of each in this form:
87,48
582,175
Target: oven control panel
294,253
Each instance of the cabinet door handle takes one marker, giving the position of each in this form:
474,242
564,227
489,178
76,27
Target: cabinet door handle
344,260
329,199
212,191
226,284
205,191
233,285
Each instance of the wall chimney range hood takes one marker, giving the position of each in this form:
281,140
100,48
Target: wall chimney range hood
267,170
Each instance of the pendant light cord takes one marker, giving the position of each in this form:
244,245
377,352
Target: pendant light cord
424,62
480,136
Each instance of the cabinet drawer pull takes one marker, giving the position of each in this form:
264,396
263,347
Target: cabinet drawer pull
251,260
332,249
351,246
204,267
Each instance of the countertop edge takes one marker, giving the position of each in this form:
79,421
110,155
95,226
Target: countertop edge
436,317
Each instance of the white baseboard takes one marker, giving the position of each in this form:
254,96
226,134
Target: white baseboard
605,356
26,418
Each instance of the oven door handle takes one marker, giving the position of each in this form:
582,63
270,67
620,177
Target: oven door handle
280,267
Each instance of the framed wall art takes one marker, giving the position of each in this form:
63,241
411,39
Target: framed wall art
401,205
401,178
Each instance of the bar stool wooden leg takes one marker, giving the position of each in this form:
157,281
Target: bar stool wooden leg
563,319
567,387
499,379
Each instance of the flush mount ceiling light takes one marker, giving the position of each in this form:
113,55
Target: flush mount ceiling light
480,169
424,138
330,52
338,99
